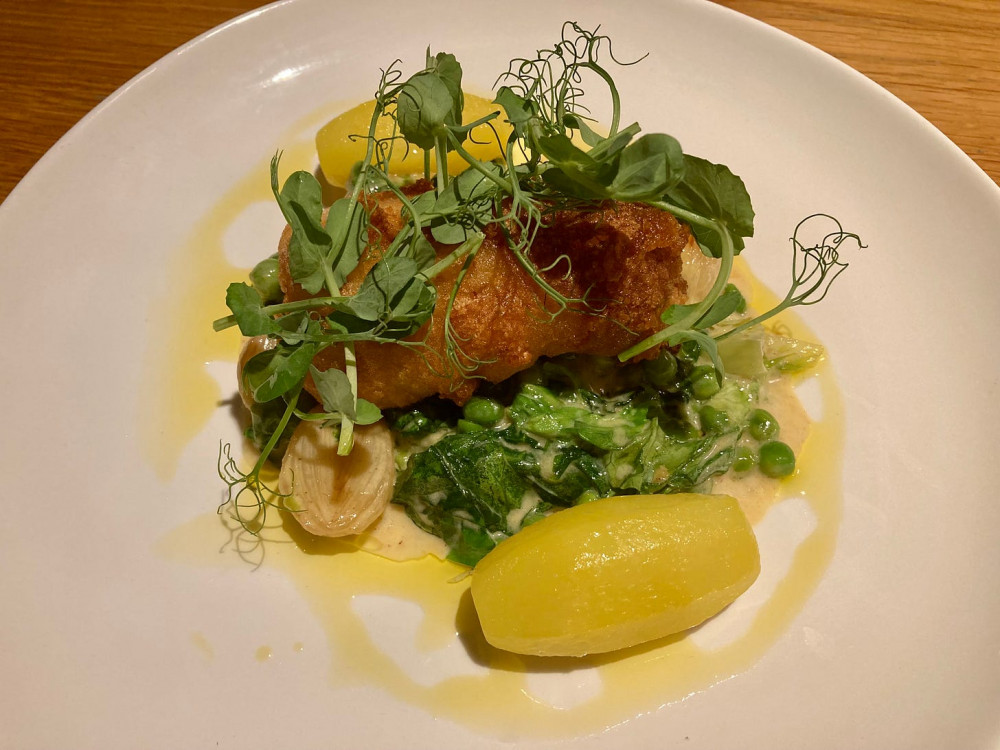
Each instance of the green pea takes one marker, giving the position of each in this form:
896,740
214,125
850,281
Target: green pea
483,411
713,420
662,371
264,278
412,423
689,351
703,382
763,425
776,459
464,425
744,459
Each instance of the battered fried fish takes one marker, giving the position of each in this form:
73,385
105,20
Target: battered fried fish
624,258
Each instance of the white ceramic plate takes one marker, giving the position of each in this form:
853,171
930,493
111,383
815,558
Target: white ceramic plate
111,637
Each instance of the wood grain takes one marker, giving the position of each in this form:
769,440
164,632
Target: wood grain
942,57
60,58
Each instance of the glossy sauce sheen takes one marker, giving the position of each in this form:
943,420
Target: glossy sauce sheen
330,574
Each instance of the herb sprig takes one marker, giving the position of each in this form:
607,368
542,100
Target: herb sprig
544,169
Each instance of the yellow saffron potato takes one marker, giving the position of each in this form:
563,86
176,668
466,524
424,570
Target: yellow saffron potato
615,573
338,152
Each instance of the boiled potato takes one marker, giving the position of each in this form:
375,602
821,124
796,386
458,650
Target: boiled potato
614,573
338,152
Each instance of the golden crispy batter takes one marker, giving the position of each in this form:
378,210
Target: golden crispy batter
626,259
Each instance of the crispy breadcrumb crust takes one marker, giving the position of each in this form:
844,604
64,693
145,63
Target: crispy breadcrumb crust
624,258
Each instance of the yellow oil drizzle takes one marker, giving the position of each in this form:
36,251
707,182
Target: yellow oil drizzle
199,640
180,335
331,574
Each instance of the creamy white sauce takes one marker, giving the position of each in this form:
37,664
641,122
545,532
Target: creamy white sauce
396,537
516,516
754,490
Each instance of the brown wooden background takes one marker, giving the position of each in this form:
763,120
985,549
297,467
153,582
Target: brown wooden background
60,58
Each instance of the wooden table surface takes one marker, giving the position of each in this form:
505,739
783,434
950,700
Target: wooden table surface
60,58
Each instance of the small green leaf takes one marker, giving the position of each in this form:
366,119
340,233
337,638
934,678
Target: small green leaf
423,205
708,346
449,233
518,109
338,398
730,301
713,191
465,206
586,133
248,309
430,101
608,148
412,300
277,371
378,291
559,149
470,186
335,391
348,226
573,171
367,412
648,168
301,203
422,252
392,298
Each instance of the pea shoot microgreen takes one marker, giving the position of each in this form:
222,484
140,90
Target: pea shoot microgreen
544,169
